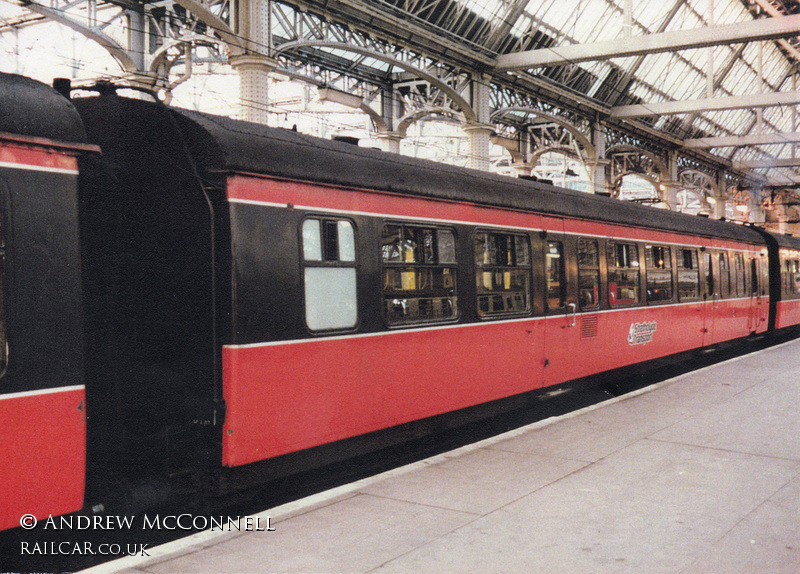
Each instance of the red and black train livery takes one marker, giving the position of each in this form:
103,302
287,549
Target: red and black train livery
193,303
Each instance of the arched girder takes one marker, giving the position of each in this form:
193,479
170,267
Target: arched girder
377,119
117,52
702,186
355,102
692,201
461,104
782,208
737,208
557,148
630,160
406,121
582,139
693,179
160,65
206,16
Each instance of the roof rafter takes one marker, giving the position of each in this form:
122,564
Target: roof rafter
748,101
754,30
738,141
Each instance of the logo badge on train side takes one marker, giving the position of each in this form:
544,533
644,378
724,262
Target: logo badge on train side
641,333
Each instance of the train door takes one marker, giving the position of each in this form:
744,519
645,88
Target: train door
724,308
739,286
507,275
42,395
572,302
759,302
711,296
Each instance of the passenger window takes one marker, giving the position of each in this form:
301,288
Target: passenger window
794,276
623,273
419,274
740,278
753,277
329,274
503,273
724,276
556,276
786,275
588,274
688,275
709,274
658,269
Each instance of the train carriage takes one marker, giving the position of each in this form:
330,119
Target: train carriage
234,302
463,289
784,261
357,291
42,379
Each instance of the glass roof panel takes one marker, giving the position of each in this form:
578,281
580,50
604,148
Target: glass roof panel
488,9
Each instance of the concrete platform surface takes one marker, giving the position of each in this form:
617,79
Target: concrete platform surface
697,474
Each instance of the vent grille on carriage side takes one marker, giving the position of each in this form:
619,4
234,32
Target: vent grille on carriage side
589,327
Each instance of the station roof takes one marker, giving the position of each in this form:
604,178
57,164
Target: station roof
735,98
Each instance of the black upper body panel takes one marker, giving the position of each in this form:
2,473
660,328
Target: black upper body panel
32,109
241,146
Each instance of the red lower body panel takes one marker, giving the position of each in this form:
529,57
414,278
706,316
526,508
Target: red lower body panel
43,454
289,396
788,313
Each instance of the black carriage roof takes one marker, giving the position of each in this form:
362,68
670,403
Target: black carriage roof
220,144
786,241
31,109
288,154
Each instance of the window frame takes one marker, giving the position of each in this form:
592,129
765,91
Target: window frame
326,262
709,276
585,269
740,274
680,265
562,271
406,266
666,268
481,268
612,268
724,276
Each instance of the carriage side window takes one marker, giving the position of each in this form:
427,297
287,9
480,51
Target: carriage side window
556,275
503,273
658,269
419,274
710,285
623,273
753,277
724,276
588,274
786,274
688,275
794,276
329,253
740,276
790,274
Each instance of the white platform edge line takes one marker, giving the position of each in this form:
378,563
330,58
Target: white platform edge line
285,511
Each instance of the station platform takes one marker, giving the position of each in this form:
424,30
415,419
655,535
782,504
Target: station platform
696,474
